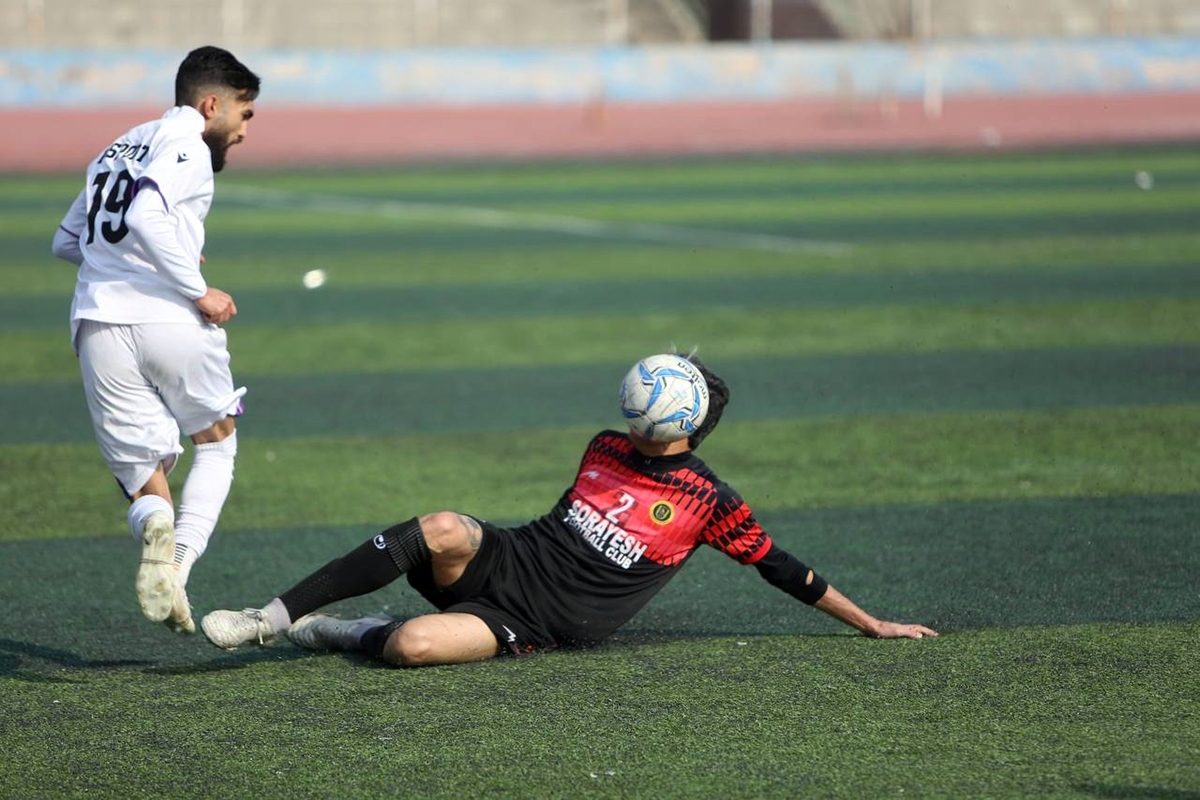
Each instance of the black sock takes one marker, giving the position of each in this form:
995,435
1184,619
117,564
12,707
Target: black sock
406,544
373,640
372,565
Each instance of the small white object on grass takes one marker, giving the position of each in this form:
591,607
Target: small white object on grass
314,279
1143,180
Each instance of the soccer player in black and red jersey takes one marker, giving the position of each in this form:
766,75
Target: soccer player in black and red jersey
637,511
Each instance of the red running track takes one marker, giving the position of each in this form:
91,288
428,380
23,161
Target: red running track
58,139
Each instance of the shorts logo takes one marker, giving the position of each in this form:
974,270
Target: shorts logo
380,543
662,512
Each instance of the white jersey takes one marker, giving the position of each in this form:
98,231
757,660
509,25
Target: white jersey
118,281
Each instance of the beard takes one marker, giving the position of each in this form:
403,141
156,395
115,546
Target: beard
218,147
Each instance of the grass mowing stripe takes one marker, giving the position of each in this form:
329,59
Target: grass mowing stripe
549,220
362,404
747,224
737,189
378,265
696,217
883,170
955,565
858,232
797,231
1140,547
662,295
372,347
880,170
780,464
855,231
882,206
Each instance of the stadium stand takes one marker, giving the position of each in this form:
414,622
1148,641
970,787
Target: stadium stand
392,24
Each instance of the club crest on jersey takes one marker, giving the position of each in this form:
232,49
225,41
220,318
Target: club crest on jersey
662,512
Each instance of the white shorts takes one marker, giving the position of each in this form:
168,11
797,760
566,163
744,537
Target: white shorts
148,383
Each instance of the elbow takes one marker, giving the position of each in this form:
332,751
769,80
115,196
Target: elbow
66,247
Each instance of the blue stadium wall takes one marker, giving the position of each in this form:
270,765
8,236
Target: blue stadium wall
81,79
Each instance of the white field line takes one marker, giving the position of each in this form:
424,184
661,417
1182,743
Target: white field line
519,220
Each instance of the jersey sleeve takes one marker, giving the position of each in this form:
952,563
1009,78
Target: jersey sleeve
65,244
734,531
153,228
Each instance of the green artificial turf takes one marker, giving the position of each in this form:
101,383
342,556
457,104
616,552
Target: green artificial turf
964,388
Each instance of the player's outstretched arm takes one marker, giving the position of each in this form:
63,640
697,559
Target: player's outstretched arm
843,609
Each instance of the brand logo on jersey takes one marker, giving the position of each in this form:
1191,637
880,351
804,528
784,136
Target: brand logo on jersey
380,543
662,512
182,158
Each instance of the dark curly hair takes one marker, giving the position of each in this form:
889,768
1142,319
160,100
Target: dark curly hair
718,397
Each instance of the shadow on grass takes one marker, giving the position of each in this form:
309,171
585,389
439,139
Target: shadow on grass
231,661
16,653
15,658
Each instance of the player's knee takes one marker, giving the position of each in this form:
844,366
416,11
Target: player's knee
410,645
444,532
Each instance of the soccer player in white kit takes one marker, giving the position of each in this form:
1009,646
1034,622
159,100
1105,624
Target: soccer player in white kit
145,324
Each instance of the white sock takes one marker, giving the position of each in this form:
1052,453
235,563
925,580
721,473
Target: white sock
185,557
203,496
278,614
143,507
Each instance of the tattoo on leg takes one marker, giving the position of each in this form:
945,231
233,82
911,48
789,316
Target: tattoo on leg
474,532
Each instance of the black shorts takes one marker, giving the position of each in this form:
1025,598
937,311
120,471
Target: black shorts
496,587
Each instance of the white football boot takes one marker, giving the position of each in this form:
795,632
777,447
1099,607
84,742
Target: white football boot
180,619
157,576
232,629
324,632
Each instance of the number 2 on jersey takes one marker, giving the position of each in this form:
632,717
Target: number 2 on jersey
614,514
116,203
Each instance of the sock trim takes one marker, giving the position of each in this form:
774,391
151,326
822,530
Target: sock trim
406,545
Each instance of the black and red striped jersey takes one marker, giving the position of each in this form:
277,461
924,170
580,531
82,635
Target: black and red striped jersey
625,527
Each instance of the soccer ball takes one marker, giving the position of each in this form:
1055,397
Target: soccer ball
664,398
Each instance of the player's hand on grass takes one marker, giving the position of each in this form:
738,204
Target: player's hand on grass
216,306
895,630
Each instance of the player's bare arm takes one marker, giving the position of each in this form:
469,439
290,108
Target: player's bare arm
473,531
843,609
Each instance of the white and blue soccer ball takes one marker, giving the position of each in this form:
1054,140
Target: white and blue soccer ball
664,398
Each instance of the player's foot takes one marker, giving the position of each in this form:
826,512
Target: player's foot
156,576
323,632
231,629
180,619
